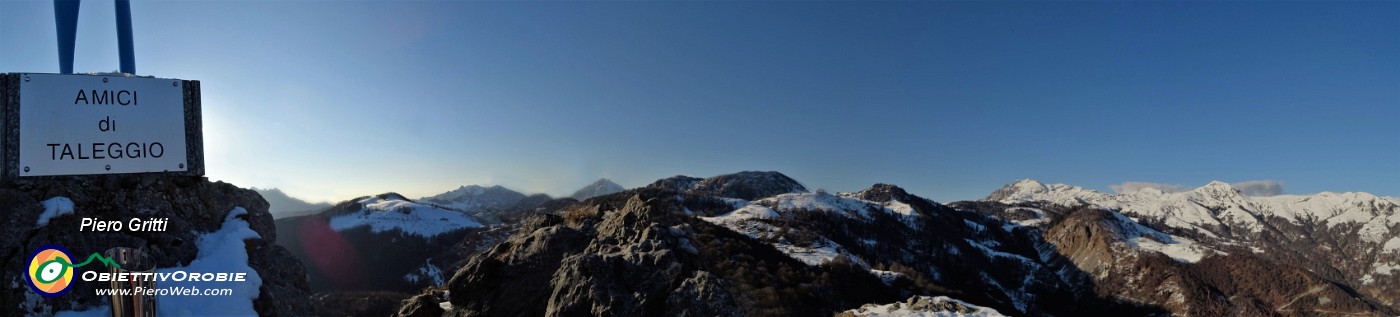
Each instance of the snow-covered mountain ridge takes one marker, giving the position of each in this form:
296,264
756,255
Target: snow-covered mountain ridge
1218,205
1353,237
394,212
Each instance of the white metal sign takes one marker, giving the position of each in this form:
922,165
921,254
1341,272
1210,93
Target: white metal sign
83,124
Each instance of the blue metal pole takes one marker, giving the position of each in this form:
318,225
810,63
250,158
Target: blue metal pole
65,16
128,55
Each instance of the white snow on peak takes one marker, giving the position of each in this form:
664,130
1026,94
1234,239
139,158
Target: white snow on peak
1032,190
382,214
54,207
1216,194
1218,186
925,306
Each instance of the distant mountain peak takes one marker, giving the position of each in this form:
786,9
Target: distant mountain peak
1218,194
1027,183
392,196
747,185
282,205
1031,190
1218,186
602,186
474,197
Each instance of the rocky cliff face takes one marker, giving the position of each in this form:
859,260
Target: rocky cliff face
193,206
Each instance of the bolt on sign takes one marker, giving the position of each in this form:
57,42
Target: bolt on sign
55,125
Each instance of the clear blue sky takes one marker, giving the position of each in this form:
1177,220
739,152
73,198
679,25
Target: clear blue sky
331,100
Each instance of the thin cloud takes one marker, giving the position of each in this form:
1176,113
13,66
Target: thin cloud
1266,187
1130,187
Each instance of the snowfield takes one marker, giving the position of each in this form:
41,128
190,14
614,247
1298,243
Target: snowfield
54,207
1178,248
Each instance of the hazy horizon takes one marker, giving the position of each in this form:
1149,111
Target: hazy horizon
328,101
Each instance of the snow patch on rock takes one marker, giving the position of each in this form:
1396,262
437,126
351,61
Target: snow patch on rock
54,207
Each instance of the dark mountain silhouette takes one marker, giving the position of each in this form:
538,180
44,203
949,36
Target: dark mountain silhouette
282,205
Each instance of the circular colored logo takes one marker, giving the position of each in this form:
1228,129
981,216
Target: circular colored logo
50,270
